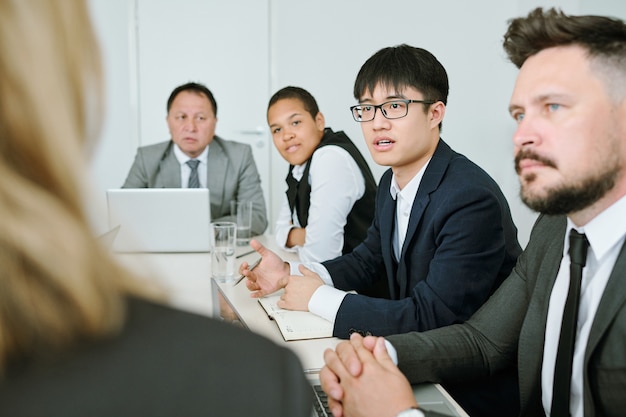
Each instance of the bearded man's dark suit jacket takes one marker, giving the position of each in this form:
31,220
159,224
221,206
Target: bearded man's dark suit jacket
231,175
512,324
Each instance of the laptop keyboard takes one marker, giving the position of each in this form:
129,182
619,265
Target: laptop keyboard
320,402
428,398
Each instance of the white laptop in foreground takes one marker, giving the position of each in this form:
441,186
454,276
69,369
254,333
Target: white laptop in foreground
160,219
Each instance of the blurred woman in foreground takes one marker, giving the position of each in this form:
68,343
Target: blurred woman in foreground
79,335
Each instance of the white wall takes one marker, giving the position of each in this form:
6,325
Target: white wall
115,152
321,46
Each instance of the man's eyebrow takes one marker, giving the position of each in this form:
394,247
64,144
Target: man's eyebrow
543,98
388,98
552,96
514,107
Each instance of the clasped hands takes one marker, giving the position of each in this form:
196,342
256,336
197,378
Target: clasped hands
272,274
361,380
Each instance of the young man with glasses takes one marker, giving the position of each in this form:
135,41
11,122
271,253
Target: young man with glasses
442,239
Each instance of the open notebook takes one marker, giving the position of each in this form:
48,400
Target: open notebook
295,325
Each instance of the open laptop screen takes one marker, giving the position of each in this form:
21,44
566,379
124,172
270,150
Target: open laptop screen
160,219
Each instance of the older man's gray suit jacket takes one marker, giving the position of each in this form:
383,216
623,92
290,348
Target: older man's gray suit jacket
513,324
231,175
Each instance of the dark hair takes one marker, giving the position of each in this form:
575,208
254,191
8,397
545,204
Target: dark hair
603,37
404,66
197,88
297,93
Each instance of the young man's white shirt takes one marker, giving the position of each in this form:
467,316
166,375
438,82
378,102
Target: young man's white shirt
326,300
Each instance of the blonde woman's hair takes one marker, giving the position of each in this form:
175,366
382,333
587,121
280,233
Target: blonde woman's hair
58,287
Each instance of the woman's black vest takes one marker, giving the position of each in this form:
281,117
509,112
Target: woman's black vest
362,213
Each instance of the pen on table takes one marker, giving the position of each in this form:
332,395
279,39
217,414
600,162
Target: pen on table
250,268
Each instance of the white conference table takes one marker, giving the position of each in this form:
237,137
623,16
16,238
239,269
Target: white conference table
187,279
187,276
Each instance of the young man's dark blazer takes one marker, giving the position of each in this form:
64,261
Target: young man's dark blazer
460,244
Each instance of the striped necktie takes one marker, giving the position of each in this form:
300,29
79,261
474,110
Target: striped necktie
194,181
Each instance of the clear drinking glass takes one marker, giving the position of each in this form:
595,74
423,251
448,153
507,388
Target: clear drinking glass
222,236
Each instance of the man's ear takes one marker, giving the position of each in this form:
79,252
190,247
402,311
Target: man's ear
437,112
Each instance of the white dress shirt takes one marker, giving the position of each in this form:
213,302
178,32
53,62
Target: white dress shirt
326,300
404,204
606,233
336,184
185,169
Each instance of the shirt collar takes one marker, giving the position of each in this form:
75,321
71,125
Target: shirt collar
298,171
603,231
410,190
182,157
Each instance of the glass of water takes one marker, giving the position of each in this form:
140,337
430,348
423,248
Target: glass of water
243,212
222,236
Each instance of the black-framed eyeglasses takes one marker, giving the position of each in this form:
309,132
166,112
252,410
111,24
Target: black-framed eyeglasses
394,109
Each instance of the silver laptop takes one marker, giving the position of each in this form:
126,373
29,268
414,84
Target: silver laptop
160,219
428,396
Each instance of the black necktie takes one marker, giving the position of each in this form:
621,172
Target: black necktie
578,245
194,181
